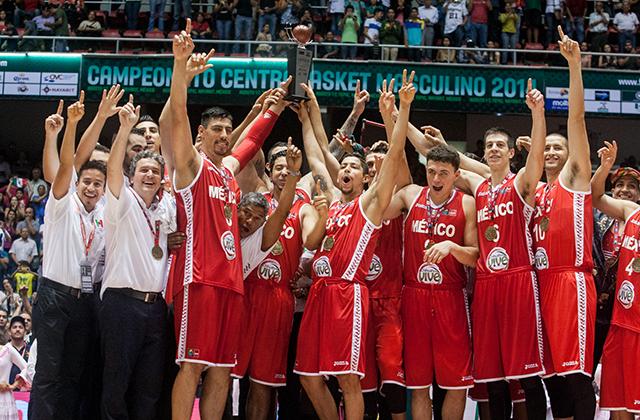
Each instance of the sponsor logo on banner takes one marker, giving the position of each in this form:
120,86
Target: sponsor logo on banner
21,77
270,270
626,294
542,260
498,259
557,93
429,274
58,90
375,269
60,78
637,96
228,243
21,89
321,267
1,77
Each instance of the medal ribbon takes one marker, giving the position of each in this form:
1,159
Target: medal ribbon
434,212
617,238
493,194
225,179
545,199
83,230
154,233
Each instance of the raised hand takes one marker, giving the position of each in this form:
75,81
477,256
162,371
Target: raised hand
387,101
259,104
433,136
294,157
608,154
109,102
129,114
343,141
360,99
310,94
408,91
320,202
569,48
75,112
182,45
523,142
54,122
198,63
534,98
301,110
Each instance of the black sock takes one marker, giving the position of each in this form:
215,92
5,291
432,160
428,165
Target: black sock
536,399
584,398
560,396
498,400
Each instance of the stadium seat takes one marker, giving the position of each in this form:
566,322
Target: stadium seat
154,35
132,33
111,33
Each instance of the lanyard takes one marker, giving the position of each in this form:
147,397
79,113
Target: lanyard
86,243
155,233
546,198
493,194
225,179
434,212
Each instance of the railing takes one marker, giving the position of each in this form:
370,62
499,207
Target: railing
248,48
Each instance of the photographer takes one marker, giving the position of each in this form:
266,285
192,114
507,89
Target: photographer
349,26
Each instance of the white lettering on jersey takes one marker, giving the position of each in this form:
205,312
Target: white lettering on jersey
626,294
498,259
322,267
341,221
542,260
501,210
429,274
220,193
375,269
440,229
228,245
288,232
631,243
270,270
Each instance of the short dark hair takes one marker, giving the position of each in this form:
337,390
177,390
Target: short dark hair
254,199
380,147
146,118
214,113
277,144
414,8
365,168
378,9
349,6
93,164
102,148
445,154
500,131
275,156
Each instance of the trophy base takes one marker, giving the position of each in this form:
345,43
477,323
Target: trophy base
296,98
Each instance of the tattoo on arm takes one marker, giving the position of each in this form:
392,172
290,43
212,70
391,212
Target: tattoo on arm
350,124
323,182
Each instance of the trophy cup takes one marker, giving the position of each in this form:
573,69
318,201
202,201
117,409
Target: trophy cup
299,60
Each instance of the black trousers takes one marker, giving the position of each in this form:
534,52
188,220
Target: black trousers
63,325
133,338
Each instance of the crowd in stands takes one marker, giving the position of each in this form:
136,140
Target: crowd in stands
398,25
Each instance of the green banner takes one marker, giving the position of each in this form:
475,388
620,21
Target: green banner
39,76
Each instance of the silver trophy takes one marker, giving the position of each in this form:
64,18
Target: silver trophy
299,60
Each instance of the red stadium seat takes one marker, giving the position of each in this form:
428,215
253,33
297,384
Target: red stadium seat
154,34
111,33
132,33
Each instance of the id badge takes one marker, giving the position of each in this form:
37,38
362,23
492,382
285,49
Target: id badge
86,279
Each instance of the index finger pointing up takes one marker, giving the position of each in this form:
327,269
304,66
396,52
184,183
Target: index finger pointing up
529,85
404,77
561,33
318,188
60,106
187,28
81,100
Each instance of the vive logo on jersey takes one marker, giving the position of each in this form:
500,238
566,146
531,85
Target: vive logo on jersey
321,267
228,243
626,294
429,274
375,269
542,260
498,259
270,270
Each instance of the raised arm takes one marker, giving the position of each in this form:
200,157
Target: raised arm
377,198
314,220
273,226
128,116
256,109
75,112
528,177
616,208
576,174
107,108
387,107
50,158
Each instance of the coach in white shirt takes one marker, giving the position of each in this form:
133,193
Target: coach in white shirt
63,310
132,316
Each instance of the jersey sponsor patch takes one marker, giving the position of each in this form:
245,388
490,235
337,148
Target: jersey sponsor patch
429,274
498,259
228,243
375,269
270,270
542,260
321,267
626,294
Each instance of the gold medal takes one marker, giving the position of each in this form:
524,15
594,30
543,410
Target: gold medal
328,243
544,224
277,248
157,253
227,212
635,265
491,234
428,244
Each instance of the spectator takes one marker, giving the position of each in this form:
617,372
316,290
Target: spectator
4,327
9,299
14,205
552,18
349,26
358,8
23,249
4,264
60,27
479,18
576,11
17,333
264,50
391,34
493,56
403,10
200,28
429,14
508,20
3,20
5,236
222,14
413,35
370,9
43,23
267,14
243,23
372,28
23,200
455,18
281,49
628,63
446,55
38,201
27,326
88,27
336,12
472,55
25,10
307,20
132,9
25,280
181,11
585,58
156,13
329,51
30,223
289,10
607,61
533,16
9,44
598,27
10,222
626,23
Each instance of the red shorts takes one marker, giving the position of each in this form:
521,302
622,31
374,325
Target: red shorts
568,307
437,337
620,385
268,316
207,325
507,329
332,329
479,392
384,344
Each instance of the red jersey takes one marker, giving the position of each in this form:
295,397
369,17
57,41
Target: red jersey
626,309
347,249
279,267
210,253
563,217
384,279
426,224
503,228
